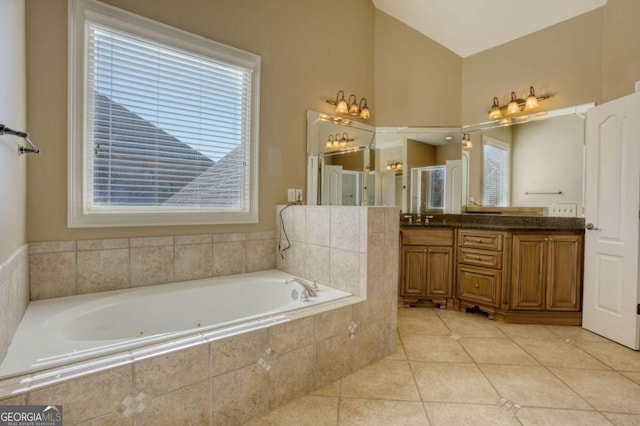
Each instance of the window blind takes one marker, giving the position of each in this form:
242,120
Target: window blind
495,173
167,130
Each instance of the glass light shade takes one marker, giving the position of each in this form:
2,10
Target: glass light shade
513,106
342,107
532,102
329,145
365,114
353,109
495,113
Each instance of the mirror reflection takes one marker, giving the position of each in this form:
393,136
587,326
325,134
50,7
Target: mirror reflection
534,167
351,163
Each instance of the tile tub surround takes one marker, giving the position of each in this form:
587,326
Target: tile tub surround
231,380
14,295
67,268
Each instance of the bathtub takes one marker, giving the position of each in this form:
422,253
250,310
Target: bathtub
102,330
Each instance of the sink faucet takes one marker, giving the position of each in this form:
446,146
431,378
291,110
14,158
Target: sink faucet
426,219
306,286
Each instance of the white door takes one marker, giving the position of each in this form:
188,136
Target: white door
611,210
453,185
331,185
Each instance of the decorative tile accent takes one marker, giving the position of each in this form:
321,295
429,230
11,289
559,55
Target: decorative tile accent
266,361
133,404
352,329
508,405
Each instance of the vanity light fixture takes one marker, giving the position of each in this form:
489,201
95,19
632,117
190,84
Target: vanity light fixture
515,104
394,165
352,106
466,141
339,141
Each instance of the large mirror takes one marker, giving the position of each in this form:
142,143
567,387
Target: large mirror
531,166
352,163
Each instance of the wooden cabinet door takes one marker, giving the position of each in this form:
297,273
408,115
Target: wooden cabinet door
414,272
564,272
480,285
439,271
528,272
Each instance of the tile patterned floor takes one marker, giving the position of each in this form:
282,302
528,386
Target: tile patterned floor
454,368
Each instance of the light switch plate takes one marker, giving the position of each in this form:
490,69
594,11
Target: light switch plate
291,195
563,210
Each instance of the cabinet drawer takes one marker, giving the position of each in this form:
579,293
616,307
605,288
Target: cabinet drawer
480,285
480,239
491,259
427,237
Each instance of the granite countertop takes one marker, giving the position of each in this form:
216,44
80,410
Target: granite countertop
497,222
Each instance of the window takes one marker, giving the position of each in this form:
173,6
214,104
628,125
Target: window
496,157
163,126
427,188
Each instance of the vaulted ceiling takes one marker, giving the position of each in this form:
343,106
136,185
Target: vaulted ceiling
467,27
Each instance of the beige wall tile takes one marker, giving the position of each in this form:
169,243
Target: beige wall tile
318,226
193,239
113,419
266,235
292,375
52,247
261,255
333,359
239,395
52,275
151,265
392,220
375,219
317,264
112,243
345,228
345,271
376,251
87,397
238,351
230,237
102,270
166,373
333,322
291,335
14,400
299,223
295,259
193,261
367,344
369,311
186,406
229,257
151,241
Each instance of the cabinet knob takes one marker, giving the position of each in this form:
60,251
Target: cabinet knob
429,250
477,240
477,257
476,285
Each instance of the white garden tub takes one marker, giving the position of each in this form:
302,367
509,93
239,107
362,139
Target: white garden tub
57,332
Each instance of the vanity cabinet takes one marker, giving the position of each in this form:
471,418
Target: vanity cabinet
426,272
480,256
546,272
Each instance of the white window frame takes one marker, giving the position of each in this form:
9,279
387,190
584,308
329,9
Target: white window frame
79,12
505,147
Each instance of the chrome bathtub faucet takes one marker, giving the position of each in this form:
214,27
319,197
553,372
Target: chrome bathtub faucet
304,285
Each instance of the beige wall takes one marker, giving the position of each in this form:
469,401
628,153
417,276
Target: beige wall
620,47
450,151
564,61
309,51
417,81
13,174
419,154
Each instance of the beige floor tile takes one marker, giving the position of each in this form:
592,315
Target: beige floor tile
386,379
632,376
496,350
380,412
605,390
556,353
470,325
530,416
434,348
332,389
309,410
427,326
526,330
469,414
532,386
576,334
453,382
399,353
623,419
614,355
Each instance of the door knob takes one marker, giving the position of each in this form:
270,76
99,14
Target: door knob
591,227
